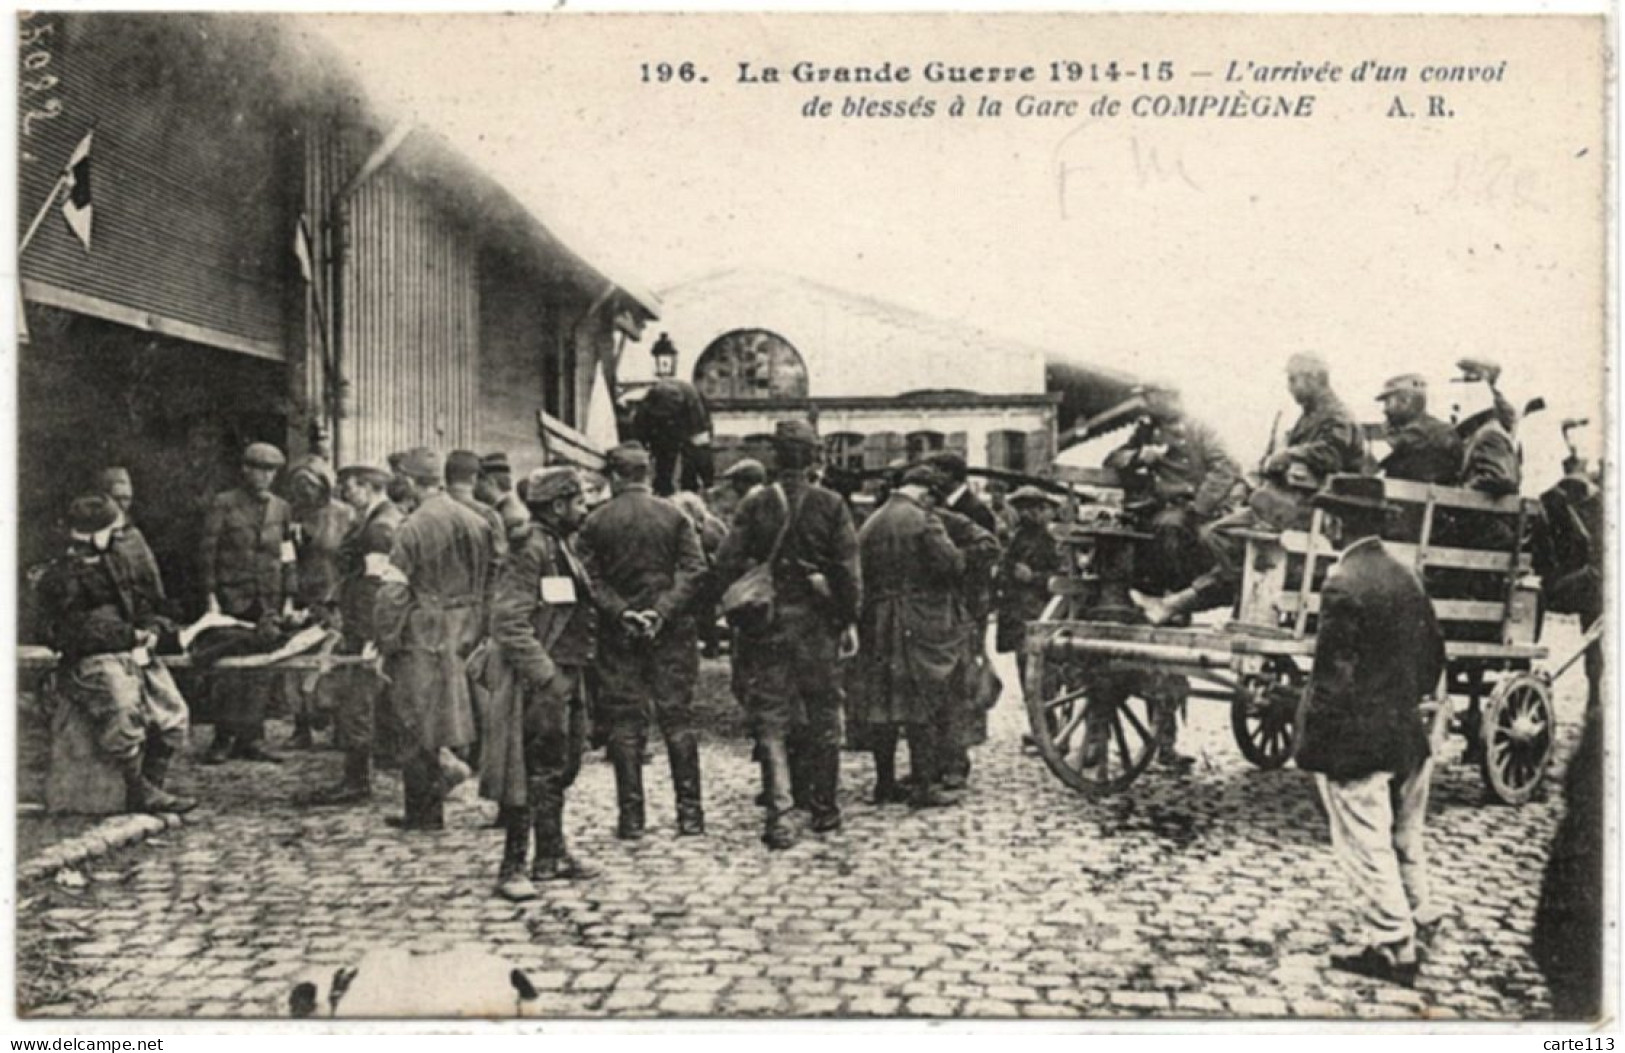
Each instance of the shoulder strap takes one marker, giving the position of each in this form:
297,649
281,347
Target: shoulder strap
789,517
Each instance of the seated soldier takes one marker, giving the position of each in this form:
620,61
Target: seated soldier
1177,468
1325,441
1422,448
1491,461
104,628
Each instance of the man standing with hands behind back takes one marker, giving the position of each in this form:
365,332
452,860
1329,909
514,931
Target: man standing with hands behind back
645,562
1378,651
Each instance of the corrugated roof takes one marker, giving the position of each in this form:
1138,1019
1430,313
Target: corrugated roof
853,345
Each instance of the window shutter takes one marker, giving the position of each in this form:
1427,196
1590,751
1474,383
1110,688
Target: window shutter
959,443
1039,452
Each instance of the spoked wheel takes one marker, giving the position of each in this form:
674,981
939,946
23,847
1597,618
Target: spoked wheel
1264,712
1519,729
1095,728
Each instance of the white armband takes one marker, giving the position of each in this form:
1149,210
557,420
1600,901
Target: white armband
288,553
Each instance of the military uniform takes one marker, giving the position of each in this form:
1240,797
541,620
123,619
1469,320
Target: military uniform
673,423
428,620
1424,450
787,674
964,718
544,638
642,555
911,637
362,562
1491,463
1021,601
99,623
249,568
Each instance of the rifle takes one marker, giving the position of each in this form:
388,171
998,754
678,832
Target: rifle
1269,451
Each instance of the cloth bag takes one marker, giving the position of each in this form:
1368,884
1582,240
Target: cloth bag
748,602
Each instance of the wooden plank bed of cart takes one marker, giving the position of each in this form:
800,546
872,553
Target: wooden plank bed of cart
1100,683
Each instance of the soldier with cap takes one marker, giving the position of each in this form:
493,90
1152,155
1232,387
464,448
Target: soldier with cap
544,635
428,619
741,479
787,671
249,573
1422,448
960,498
495,489
645,563
320,522
462,478
1324,441
1378,653
911,636
105,632
363,562
964,716
1021,585
674,424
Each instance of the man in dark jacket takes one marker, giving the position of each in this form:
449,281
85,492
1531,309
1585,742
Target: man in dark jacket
1325,440
429,617
249,573
674,424
544,632
788,670
1028,562
1378,652
1422,448
363,559
105,633
645,563
911,635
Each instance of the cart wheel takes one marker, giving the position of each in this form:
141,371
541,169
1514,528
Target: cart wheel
1264,712
1518,728
1093,728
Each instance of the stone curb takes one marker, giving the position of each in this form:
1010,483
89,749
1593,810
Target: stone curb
115,831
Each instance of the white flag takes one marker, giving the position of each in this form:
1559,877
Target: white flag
301,250
77,208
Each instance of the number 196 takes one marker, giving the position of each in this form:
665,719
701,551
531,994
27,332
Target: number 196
665,72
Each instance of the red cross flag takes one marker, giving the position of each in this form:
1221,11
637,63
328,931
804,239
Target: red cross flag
77,207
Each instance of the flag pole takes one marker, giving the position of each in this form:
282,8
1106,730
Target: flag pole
39,217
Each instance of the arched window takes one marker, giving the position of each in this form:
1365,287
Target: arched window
750,363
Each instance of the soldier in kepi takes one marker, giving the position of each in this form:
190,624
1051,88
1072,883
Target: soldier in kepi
1422,448
363,560
248,573
788,669
1325,440
645,563
428,615
1021,586
105,632
544,632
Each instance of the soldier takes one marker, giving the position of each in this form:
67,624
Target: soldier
249,573
462,477
544,629
495,489
1422,448
1491,461
964,716
1378,652
131,544
428,615
1177,468
645,563
363,561
787,670
1324,441
104,631
674,424
960,498
320,522
1021,586
911,636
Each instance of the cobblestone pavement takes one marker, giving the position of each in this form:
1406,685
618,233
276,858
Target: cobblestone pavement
1208,894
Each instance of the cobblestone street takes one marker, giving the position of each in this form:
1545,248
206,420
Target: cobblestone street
1202,895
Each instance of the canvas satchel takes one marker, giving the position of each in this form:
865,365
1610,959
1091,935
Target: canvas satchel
748,602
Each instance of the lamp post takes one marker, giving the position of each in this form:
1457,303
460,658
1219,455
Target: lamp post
665,356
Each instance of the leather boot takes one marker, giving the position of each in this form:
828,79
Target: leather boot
142,796
884,749
512,884
824,777
553,861
800,774
776,832
925,766
626,754
354,787
155,762
684,755
220,746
